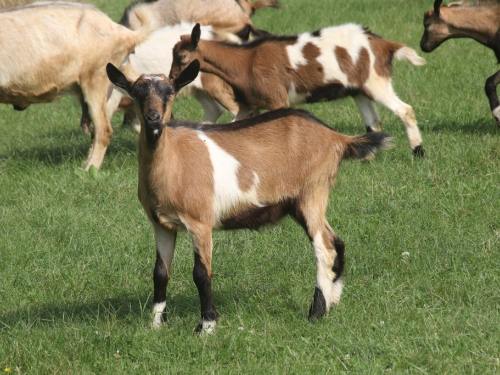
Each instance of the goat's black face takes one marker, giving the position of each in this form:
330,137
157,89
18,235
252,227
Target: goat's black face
153,94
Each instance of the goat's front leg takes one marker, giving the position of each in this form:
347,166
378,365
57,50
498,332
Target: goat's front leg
491,92
165,244
202,276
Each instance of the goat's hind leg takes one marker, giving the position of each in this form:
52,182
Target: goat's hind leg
369,113
165,245
329,253
491,92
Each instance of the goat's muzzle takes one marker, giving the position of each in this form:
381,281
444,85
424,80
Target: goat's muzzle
153,116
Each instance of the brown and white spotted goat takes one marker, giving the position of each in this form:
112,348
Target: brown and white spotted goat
239,175
273,72
478,20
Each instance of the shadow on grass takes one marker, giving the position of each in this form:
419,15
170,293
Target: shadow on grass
483,126
133,308
62,146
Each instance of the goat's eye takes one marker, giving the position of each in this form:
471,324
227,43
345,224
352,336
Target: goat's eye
182,58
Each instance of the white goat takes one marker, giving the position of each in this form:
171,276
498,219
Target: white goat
240,175
56,48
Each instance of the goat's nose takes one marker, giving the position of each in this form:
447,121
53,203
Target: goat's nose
170,76
153,116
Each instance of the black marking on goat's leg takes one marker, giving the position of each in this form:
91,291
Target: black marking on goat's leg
160,280
339,262
85,119
491,92
318,306
204,284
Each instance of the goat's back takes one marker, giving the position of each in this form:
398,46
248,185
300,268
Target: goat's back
222,14
47,47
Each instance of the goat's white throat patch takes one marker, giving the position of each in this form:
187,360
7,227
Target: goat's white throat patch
227,193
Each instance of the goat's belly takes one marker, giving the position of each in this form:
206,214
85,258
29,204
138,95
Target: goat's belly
257,216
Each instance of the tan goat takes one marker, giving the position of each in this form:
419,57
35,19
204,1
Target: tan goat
332,63
51,49
239,175
223,15
476,20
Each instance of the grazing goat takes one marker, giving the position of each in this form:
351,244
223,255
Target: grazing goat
51,49
223,15
477,20
239,175
273,72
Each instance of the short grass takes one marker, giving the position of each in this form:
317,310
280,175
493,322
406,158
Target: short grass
77,252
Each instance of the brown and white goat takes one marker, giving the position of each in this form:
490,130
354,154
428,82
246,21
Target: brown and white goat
332,63
51,49
223,15
476,20
239,175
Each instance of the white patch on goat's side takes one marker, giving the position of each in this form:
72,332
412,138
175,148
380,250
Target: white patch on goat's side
158,309
325,275
295,50
294,97
352,38
227,193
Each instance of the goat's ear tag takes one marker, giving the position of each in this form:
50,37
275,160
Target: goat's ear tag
187,76
117,77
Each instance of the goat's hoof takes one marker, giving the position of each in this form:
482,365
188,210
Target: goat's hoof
19,107
419,151
206,327
318,306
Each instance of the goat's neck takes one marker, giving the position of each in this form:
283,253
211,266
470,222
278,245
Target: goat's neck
149,153
463,23
229,63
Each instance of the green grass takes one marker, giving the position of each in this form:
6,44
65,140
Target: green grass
77,251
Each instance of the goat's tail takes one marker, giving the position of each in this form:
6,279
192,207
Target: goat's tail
364,146
149,23
409,54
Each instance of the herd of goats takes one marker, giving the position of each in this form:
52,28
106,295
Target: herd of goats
260,167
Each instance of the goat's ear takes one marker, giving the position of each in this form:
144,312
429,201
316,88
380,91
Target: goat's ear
437,4
117,77
195,35
187,76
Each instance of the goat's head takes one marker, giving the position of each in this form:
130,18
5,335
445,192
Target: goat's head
153,94
436,29
185,51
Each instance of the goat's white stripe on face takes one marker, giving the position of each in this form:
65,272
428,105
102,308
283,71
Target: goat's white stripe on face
153,78
227,193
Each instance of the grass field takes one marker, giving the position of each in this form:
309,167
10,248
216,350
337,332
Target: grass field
77,252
